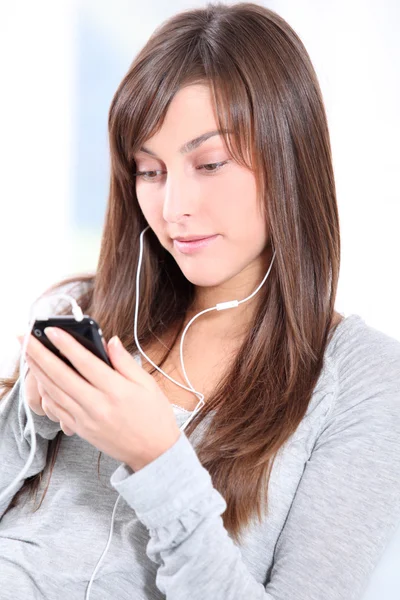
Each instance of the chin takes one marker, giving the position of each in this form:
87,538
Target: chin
197,277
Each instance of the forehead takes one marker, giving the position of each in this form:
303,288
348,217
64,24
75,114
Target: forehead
192,97
192,144
189,115
190,121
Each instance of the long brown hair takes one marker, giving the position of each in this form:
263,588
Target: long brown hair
264,89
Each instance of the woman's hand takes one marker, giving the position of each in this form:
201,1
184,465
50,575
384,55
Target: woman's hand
121,412
37,399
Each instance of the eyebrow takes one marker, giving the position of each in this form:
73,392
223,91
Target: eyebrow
192,144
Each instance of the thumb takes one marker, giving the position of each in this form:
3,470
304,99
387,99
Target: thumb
124,363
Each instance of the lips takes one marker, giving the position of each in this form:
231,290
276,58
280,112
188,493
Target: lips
190,247
195,238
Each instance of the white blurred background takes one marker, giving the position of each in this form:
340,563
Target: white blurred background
61,63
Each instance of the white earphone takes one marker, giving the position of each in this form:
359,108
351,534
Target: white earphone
77,312
220,306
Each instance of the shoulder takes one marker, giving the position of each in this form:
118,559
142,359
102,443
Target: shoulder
362,355
346,504
364,364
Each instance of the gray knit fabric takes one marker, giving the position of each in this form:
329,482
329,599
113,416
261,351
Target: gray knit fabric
334,501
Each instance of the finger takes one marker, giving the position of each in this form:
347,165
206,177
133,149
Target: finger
60,404
57,376
60,415
124,363
93,369
33,397
35,392
65,429
45,404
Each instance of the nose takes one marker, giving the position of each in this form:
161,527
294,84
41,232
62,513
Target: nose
179,200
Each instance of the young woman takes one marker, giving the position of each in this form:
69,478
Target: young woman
286,482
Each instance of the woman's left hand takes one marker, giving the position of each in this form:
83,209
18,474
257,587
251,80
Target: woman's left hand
121,412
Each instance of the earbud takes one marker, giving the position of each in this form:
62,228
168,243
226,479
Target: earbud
219,306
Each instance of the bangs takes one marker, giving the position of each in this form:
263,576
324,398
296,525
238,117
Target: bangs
141,102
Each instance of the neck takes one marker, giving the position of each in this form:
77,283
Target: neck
230,324
231,321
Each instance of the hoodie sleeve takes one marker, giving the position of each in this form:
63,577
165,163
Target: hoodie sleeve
174,498
16,442
346,507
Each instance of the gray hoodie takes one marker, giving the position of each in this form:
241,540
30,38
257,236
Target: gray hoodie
334,501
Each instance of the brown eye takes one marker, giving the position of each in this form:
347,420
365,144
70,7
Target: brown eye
214,167
147,175
151,176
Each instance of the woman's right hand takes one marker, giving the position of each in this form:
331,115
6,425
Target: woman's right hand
36,399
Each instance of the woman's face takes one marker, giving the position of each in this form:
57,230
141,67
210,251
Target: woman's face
180,197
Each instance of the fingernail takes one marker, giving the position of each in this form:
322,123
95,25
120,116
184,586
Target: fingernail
115,342
53,333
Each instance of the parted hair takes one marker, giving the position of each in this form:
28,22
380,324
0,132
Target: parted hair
264,89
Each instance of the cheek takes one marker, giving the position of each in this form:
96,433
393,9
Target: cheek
149,208
237,203
152,212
